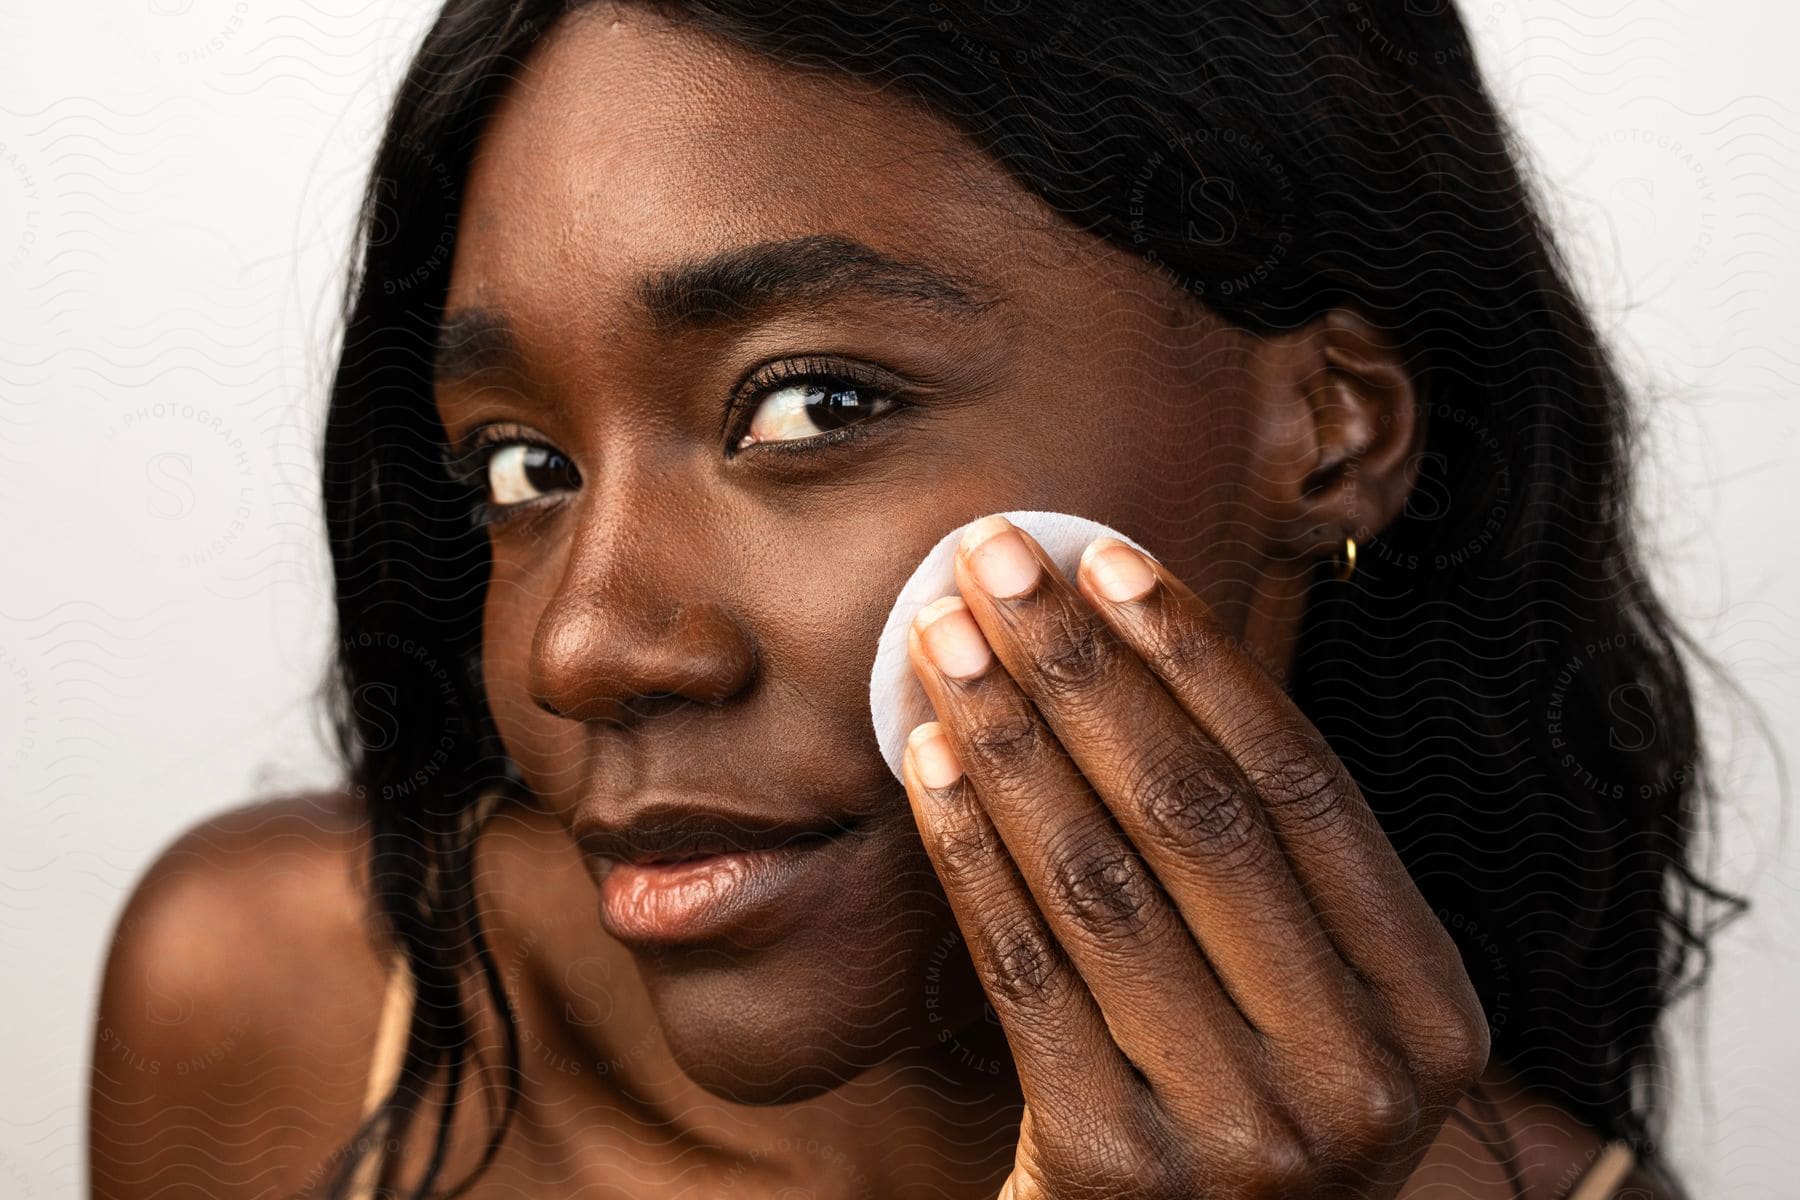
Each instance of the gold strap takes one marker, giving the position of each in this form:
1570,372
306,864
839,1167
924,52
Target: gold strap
396,1021
390,1036
384,1066
1608,1172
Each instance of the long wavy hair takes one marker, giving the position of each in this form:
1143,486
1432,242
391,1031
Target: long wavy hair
1499,678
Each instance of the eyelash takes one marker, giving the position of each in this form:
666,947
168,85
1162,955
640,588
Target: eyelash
788,371
468,462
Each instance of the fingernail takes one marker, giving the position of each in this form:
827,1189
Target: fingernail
1119,573
1004,566
934,762
952,639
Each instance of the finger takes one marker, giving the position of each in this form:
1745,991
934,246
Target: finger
1066,1060
1364,895
1125,938
1177,795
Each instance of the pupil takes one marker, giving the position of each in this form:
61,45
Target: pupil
833,409
546,470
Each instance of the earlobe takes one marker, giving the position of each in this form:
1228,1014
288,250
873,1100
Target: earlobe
1365,428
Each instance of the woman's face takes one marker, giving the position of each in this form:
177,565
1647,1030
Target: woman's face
668,245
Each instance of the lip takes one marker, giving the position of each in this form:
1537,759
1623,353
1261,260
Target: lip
674,875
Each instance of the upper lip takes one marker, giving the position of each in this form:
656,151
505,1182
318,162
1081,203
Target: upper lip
672,831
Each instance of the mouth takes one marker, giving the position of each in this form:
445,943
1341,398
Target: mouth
676,875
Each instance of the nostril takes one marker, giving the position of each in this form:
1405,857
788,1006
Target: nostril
655,704
598,662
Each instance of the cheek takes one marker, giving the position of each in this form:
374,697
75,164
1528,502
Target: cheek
1158,440
1121,436
817,623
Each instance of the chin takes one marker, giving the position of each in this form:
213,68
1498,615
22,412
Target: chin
761,1036
799,1018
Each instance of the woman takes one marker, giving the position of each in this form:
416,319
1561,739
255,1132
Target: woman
1341,848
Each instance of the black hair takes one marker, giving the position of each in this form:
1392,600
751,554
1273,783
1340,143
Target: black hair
1499,678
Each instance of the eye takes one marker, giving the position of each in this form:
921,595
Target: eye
802,404
518,472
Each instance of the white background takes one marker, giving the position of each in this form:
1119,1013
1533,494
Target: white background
177,179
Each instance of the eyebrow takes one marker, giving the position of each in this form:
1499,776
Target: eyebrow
472,340
731,285
734,283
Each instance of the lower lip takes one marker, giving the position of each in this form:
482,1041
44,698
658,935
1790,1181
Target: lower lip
702,899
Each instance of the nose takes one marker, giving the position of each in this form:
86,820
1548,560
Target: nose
613,645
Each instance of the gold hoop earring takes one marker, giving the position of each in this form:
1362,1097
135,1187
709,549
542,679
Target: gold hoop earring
1347,562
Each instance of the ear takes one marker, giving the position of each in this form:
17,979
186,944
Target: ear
1350,431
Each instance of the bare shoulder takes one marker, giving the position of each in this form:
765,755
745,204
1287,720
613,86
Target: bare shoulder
238,1007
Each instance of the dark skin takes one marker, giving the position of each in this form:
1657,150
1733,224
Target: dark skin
1223,990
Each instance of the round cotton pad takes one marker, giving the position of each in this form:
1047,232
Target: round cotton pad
897,702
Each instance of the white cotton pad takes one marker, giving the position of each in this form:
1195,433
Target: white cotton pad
897,701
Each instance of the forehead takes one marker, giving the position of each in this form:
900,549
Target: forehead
626,141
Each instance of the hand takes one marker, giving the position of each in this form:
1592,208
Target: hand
1215,975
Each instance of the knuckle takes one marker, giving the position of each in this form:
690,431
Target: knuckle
1447,1033
1194,799
1373,1105
967,846
1160,1177
1296,772
1101,885
1022,966
1386,1109
1267,1161
1004,741
1079,652
1472,1051
1110,1157
1188,653
1464,1046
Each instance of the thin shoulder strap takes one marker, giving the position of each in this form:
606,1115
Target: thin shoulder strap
396,1023
390,1035
384,1066
1608,1172
397,1005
